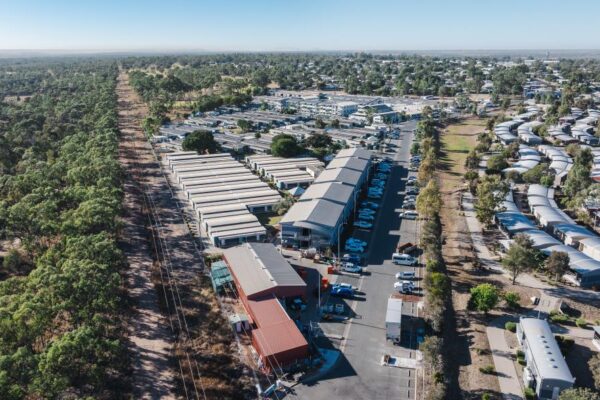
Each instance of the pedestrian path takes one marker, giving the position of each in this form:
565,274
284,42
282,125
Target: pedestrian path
502,354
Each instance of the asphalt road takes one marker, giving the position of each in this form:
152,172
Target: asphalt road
359,373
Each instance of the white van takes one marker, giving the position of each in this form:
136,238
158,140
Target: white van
405,275
403,259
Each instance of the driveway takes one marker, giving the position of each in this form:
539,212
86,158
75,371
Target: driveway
359,373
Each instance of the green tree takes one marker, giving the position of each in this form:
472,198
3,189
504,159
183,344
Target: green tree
484,297
244,125
284,145
200,141
520,257
429,200
558,264
473,159
497,163
491,191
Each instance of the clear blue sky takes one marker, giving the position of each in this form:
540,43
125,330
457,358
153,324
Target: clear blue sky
250,25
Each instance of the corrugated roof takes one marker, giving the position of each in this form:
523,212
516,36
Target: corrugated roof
545,352
318,214
259,267
333,191
357,164
343,175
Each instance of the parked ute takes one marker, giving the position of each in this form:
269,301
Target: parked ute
404,286
349,267
404,259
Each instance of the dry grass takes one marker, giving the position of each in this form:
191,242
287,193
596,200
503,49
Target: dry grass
457,140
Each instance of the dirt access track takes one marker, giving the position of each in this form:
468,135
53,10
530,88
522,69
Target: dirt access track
204,362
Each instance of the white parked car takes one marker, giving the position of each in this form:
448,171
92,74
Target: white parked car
404,259
408,214
405,275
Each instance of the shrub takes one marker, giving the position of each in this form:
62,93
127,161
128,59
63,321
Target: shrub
488,369
510,326
581,323
529,393
558,318
486,396
512,299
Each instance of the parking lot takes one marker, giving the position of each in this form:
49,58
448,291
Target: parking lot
359,373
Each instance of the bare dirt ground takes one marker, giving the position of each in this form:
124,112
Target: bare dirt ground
151,340
206,354
470,349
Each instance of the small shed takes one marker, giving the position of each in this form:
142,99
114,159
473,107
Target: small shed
220,276
239,322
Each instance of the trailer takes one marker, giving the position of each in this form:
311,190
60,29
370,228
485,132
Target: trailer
393,320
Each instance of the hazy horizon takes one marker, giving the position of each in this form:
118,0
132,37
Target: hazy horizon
310,26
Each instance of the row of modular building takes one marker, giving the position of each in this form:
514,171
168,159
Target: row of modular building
264,281
286,173
556,232
224,194
317,218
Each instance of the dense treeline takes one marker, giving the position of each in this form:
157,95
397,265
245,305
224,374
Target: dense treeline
60,195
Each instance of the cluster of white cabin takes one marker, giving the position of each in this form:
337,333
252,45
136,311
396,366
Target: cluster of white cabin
224,194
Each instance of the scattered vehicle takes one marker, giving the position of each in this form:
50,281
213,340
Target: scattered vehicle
297,304
342,290
406,247
374,195
409,214
393,320
412,190
354,248
356,241
381,176
370,204
363,224
420,335
349,267
405,275
404,259
404,286
366,211
378,183
408,206
366,217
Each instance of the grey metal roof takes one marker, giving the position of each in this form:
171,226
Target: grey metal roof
355,152
343,175
316,214
514,222
541,239
333,191
357,164
259,267
545,352
573,230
